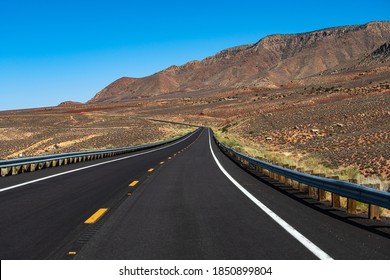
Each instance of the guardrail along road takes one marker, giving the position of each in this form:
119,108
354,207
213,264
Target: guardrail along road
185,200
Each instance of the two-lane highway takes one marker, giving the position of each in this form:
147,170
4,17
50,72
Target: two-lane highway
202,206
188,201
44,210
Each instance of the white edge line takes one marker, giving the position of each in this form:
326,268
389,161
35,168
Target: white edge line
90,166
296,234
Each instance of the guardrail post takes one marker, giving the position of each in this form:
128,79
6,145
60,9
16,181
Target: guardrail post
311,190
267,172
351,203
293,183
275,176
300,185
373,210
41,165
270,173
5,171
335,197
284,179
315,190
16,169
259,169
33,167
321,193
25,168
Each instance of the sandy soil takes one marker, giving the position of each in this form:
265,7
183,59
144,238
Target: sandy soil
344,126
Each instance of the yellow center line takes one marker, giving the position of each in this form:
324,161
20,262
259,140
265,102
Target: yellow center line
161,163
151,170
169,158
133,183
72,253
95,217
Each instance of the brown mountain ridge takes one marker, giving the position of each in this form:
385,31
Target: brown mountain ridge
271,63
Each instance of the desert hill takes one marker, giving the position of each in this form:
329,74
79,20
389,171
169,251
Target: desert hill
271,63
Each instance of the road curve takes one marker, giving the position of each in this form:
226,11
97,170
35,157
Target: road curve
190,209
186,201
44,210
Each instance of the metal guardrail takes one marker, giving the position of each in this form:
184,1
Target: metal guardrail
171,122
30,164
341,188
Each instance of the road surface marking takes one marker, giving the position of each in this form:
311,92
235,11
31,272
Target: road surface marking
72,253
90,166
296,234
95,217
133,183
161,163
150,170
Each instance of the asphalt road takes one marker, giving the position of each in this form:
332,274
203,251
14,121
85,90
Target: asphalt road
39,218
186,201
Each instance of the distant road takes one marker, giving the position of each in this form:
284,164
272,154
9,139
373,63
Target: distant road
183,201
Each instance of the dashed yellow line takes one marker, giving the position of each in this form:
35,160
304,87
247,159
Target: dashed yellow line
72,253
170,158
132,184
151,170
161,163
95,217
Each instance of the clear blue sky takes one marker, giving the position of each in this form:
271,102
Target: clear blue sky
53,51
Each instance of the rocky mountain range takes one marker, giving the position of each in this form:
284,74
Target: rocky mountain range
275,61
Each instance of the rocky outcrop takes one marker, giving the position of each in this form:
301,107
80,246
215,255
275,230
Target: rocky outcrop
271,62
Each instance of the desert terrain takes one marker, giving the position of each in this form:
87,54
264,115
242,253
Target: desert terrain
319,100
346,127
67,129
